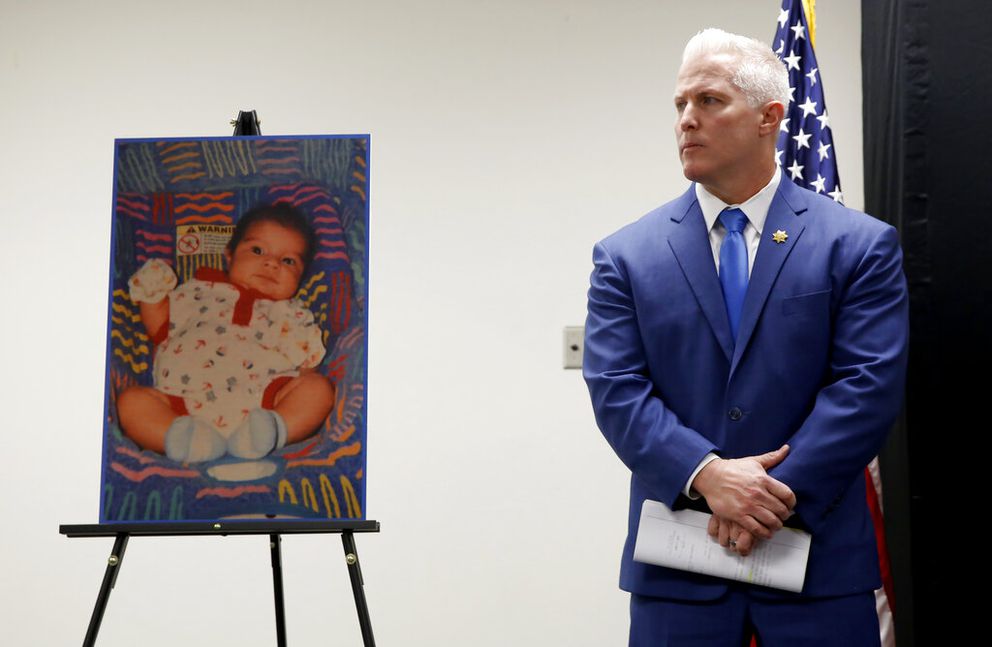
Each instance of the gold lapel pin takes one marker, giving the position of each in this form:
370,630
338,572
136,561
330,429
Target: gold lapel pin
780,236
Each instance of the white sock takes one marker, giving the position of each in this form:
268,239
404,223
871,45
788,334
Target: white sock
192,440
261,433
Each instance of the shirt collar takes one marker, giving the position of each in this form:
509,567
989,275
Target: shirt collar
755,208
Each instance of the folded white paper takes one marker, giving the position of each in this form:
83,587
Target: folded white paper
679,540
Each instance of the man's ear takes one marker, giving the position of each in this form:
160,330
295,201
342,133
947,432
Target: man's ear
771,116
227,258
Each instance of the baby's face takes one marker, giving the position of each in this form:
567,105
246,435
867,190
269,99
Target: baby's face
269,259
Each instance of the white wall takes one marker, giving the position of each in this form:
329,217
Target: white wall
507,136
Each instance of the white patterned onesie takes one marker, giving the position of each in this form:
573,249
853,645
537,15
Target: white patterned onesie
225,345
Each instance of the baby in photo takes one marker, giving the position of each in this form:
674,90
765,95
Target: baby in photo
234,352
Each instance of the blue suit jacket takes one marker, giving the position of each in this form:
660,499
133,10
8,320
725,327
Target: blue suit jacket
819,363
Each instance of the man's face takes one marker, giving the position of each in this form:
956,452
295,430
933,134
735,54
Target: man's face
269,259
716,130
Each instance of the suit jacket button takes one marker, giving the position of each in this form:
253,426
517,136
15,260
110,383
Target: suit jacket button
735,414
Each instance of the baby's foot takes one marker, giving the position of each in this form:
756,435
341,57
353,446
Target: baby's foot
191,440
262,432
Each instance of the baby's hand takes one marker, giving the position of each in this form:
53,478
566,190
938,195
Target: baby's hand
152,282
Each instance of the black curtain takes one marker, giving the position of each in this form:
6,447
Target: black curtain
927,90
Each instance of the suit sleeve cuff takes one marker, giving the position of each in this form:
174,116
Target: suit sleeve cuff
687,490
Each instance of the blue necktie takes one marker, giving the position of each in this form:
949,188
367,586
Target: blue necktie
733,265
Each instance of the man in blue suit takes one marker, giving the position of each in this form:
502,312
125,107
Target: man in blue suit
746,349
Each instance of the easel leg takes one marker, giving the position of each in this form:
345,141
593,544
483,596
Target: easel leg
357,587
109,580
275,546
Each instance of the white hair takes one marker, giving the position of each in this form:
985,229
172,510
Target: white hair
756,71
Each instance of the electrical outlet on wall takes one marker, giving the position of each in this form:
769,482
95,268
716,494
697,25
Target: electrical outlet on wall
573,346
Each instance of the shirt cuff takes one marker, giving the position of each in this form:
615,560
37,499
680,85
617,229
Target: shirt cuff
687,490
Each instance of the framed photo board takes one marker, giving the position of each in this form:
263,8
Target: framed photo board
236,367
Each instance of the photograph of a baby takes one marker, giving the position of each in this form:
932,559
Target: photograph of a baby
235,352
236,367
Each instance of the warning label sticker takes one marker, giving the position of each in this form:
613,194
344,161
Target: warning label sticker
192,240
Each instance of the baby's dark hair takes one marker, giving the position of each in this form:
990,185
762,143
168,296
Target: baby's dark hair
282,214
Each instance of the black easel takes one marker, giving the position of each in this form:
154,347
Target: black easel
274,529
246,124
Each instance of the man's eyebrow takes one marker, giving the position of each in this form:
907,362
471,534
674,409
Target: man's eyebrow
702,89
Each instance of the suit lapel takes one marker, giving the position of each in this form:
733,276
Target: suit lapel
783,215
691,245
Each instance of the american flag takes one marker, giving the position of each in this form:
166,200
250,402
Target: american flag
805,143
806,154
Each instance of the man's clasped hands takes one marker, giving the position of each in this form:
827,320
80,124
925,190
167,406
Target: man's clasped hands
748,505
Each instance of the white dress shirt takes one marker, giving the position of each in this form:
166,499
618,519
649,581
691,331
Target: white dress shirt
756,209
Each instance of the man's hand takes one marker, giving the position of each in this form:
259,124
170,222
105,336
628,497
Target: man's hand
739,490
730,535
